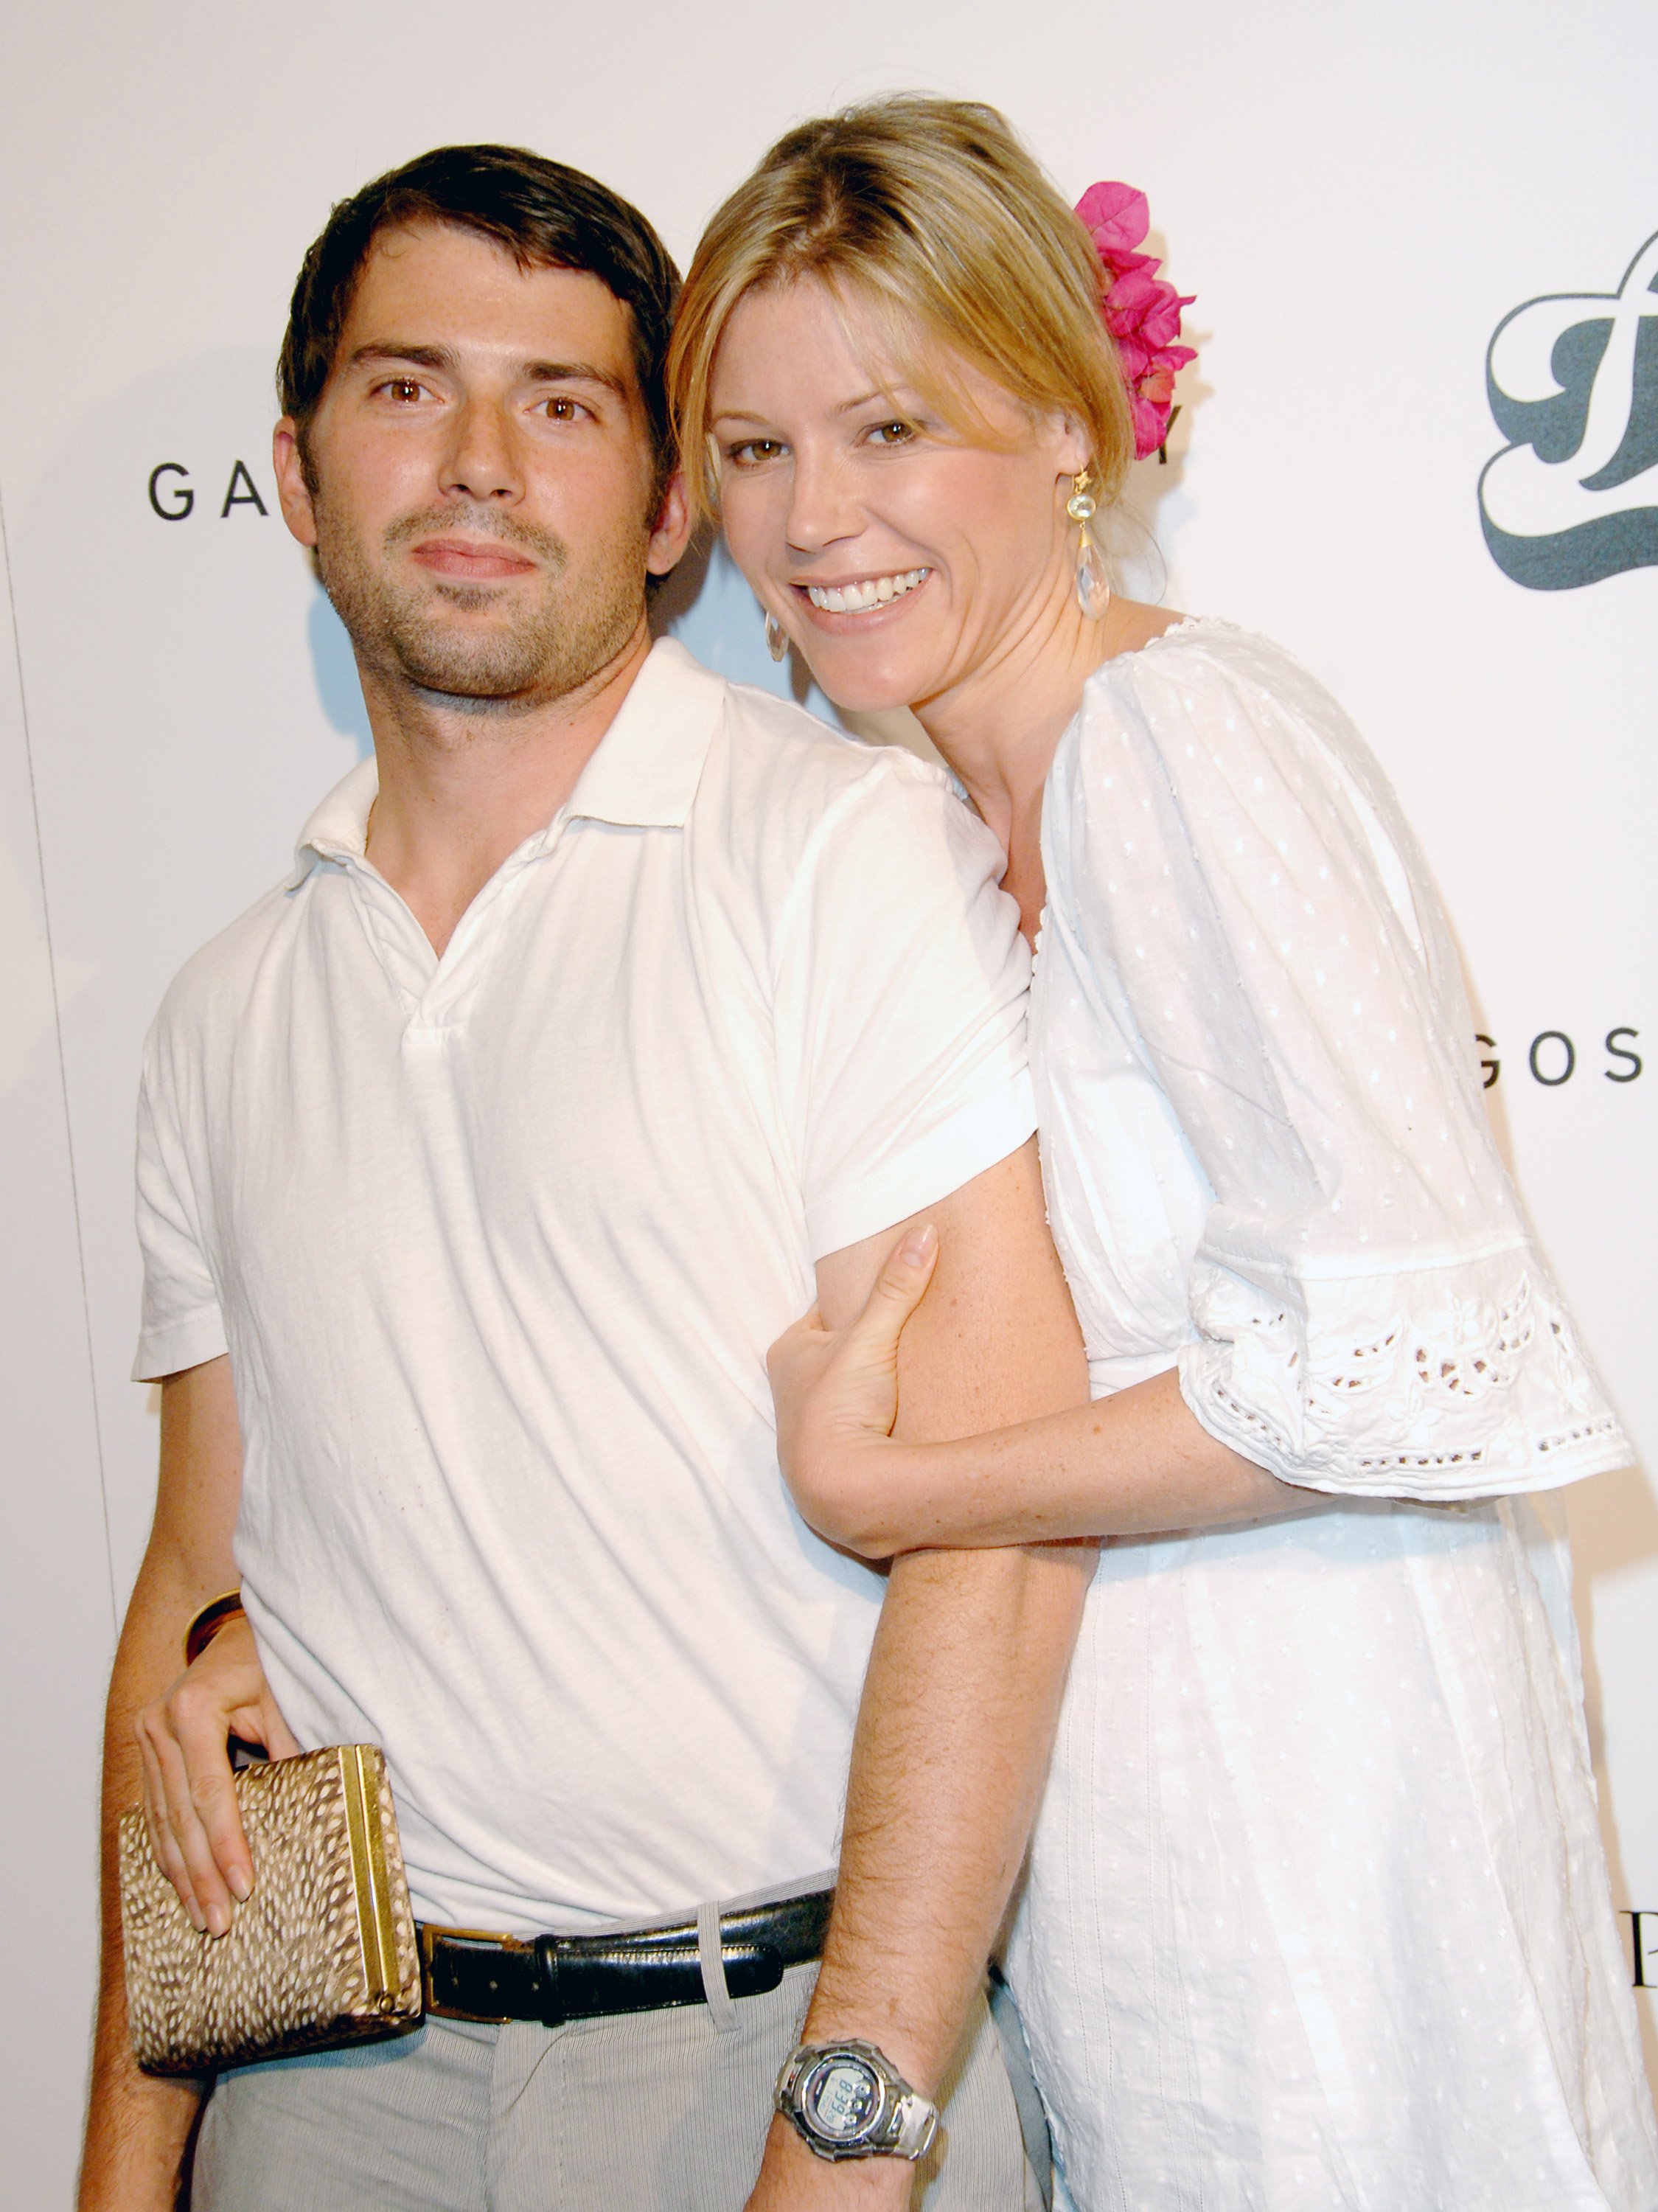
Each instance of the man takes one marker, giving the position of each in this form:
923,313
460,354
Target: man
603,1013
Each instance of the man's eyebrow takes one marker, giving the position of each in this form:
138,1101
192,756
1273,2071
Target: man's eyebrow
532,372
574,372
417,356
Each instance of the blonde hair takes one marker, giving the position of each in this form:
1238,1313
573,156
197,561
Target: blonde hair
937,216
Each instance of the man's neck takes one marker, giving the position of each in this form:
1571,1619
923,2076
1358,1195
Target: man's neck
463,783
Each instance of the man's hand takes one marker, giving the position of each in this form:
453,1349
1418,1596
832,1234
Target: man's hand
190,1805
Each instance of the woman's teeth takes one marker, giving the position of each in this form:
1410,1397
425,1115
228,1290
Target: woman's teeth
871,591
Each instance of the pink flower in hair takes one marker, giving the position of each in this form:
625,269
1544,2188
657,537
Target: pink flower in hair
1116,218
1141,311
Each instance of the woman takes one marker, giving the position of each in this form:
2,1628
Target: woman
1316,1913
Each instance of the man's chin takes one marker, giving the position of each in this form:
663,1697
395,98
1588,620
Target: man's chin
519,699
477,674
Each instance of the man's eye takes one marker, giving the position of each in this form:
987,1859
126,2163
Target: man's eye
891,434
564,411
750,452
402,389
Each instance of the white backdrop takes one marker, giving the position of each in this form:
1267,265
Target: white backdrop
1358,198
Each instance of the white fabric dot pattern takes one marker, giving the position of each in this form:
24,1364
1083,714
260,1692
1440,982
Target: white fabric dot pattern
1317,1915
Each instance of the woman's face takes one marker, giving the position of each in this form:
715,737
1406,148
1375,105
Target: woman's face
900,556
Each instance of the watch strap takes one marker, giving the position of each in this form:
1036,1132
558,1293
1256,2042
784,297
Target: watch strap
917,2118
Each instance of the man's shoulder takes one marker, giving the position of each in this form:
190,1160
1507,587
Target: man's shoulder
215,983
793,818
782,761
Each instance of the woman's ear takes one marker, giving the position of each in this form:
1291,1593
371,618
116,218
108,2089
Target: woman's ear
1071,446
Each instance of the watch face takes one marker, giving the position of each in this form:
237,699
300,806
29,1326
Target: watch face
840,2097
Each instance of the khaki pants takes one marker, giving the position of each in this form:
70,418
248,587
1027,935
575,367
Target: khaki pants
657,2112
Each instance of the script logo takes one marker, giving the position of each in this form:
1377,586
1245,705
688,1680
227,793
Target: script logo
1572,379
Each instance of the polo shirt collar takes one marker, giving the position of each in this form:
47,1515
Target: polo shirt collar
648,763
338,830
643,774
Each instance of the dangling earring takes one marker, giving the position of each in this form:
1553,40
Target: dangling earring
1093,585
777,639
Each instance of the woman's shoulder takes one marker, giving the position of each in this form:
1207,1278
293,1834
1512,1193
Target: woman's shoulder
1213,748
1209,698
1202,655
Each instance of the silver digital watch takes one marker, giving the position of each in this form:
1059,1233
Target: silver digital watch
846,2100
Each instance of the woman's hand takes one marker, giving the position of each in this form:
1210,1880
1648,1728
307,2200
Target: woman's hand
189,1806
836,1395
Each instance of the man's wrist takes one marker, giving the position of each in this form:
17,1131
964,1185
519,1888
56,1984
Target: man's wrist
846,2100
847,2014
792,2180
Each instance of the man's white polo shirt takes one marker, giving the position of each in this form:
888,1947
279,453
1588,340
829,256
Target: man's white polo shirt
496,1244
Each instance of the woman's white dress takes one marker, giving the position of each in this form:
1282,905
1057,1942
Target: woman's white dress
1318,1916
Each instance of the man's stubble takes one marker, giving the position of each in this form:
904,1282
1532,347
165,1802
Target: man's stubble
567,628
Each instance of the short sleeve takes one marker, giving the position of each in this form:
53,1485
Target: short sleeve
900,990
1369,1311
182,1324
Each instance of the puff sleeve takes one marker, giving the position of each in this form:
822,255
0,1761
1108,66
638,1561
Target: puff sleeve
1369,1312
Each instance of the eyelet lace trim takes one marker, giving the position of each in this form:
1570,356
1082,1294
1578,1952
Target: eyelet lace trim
1474,1382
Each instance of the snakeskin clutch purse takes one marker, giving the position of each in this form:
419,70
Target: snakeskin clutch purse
322,1955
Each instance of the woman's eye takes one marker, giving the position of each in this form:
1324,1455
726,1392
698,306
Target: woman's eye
891,434
749,453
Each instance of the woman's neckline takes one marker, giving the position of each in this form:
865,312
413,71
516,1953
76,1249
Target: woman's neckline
1182,629
1186,623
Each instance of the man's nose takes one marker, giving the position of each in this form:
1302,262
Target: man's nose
822,507
482,462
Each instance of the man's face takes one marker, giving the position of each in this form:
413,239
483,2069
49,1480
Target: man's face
482,482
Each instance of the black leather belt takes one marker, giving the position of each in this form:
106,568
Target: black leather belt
469,1974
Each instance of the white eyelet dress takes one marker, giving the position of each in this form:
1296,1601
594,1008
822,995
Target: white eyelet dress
1317,1918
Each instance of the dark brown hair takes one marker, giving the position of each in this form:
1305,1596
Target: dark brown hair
544,214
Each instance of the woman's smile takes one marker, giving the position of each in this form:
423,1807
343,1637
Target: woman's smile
862,596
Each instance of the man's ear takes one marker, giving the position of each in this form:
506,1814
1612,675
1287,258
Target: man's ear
298,511
671,533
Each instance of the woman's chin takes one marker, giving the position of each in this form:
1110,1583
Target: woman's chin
862,680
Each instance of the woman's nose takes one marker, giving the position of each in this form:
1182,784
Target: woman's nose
822,507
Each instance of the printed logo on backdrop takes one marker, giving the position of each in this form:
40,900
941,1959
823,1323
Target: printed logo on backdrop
1572,379
1553,1058
173,492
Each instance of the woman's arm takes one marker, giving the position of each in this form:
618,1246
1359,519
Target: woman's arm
1132,1464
